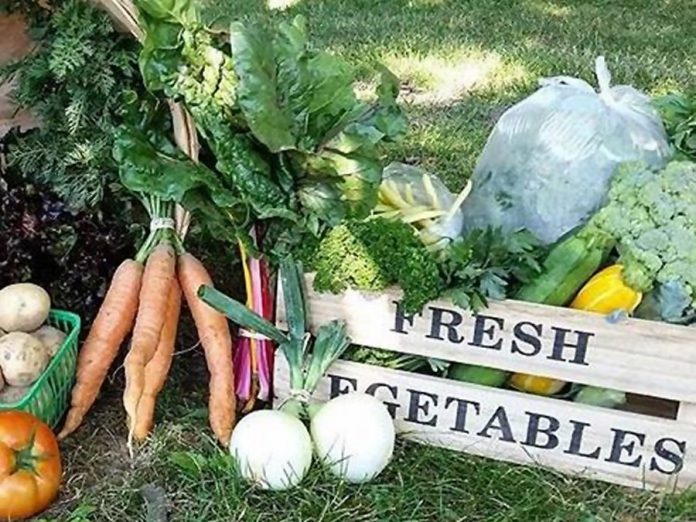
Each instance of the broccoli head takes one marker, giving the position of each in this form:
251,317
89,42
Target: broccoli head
651,213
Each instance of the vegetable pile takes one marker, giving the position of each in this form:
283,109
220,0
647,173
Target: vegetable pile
650,219
353,434
290,166
289,149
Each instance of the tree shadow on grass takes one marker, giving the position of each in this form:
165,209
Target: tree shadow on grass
652,41
463,63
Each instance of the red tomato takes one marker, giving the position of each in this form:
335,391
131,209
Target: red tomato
30,468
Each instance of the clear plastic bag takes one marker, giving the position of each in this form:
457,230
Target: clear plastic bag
422,200
547,165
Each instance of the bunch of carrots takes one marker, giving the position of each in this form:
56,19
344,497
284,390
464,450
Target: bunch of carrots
144,298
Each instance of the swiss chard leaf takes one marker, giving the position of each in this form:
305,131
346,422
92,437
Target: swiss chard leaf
162,170
300,101
182,11
258,93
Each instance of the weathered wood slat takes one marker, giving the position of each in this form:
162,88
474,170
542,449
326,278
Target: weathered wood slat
642,357
623,448
687,413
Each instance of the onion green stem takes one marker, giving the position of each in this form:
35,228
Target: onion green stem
307,362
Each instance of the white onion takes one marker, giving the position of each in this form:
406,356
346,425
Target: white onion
354,436
272,449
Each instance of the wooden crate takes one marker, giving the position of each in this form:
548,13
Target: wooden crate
646,358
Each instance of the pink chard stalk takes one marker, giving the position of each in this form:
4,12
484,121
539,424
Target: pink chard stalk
253,358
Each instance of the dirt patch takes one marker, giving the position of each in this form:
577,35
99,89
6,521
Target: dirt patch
98,470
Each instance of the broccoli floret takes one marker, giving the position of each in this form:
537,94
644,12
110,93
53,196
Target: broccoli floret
651,213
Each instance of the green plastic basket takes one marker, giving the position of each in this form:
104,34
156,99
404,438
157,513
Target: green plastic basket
49,396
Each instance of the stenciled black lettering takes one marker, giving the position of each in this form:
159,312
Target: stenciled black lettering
416,407
391,406
462,410
575,447
483,333
531,339
674,457
534,429
499,422
560,343
439,322
401,319
621,445
336,381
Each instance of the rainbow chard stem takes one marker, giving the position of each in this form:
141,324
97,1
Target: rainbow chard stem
253,352
307,361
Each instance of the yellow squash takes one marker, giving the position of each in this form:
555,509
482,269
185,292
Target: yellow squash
535,384
606,293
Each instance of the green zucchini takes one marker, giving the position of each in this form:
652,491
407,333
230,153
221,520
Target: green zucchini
568,266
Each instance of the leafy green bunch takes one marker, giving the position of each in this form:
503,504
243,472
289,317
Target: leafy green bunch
377,253
74,82
678,112
290,144
486,263
373,255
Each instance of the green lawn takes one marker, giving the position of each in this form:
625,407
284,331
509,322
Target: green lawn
462,63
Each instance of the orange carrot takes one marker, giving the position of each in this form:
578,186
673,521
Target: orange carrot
215,337
157,369
160,270
113,322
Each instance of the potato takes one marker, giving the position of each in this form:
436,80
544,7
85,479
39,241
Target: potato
12,394
51,338
23,307
22,358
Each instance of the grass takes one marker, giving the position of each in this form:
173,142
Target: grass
197,481
463,63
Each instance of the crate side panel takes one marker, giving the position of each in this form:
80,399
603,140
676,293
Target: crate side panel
687,412
619,447
641,357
